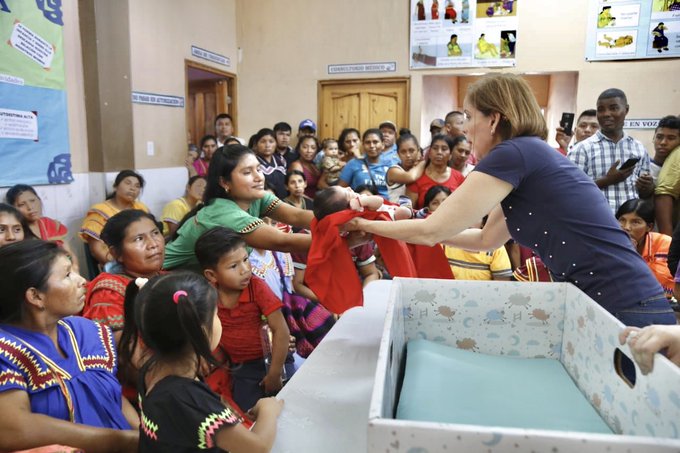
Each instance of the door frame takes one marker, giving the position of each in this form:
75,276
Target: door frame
232,81
330,82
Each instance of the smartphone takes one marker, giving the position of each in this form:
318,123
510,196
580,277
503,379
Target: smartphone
567,123
629,163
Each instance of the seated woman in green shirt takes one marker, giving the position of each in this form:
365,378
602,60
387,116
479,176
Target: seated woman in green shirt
235,198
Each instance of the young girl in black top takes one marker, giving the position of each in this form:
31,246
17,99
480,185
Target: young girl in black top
175,318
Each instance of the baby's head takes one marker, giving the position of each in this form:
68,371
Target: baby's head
330,147
332,200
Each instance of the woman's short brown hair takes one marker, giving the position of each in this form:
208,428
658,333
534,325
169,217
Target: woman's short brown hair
511,96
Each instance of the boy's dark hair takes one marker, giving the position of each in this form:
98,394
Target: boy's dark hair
296,173
668,122
282,127
115,229
433,192
329,201
16,190
24,265
223,116
171,315
588,112
212,245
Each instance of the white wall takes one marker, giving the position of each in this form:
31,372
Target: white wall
69,203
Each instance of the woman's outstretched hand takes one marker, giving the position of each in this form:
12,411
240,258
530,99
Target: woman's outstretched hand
356,224
646,342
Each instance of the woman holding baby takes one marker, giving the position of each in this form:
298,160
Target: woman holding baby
539,199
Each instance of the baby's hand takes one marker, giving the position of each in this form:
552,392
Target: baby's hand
355,204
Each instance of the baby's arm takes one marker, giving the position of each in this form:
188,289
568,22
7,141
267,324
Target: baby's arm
371,202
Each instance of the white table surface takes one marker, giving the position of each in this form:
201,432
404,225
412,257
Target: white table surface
327,400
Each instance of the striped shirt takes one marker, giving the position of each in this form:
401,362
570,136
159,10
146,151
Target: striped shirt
491,265
597,154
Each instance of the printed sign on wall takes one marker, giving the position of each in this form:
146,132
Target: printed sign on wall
34,145
463,33
633,29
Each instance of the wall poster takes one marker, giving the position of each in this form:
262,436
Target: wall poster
633,29
463,33
34,143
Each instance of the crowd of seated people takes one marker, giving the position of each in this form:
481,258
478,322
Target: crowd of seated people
215,269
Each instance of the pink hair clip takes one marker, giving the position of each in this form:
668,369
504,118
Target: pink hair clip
175,297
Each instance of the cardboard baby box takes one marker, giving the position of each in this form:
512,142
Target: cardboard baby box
536,321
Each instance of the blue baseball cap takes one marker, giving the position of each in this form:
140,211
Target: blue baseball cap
307,124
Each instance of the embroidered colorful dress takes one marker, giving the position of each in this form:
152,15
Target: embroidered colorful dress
52,230
80,387
275,173
182,415
98,215
105,299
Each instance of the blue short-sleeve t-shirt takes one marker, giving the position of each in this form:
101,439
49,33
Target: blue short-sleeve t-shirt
557,210
356,173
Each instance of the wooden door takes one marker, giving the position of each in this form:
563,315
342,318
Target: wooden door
362,104
209,92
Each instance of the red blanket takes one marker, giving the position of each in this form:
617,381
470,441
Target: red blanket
331,273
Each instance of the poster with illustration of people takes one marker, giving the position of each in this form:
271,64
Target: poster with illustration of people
463,33
633,29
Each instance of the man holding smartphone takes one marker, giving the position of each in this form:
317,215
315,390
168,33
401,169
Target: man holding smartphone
601,156
586,126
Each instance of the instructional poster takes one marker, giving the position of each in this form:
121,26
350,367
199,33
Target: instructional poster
463,33
34,145
633,29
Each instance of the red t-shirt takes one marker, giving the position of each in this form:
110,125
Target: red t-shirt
423,184
241,324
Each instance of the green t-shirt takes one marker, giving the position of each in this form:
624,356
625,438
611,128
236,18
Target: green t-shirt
220,212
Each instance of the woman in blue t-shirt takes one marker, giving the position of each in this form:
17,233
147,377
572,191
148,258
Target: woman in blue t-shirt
537,197
369,170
